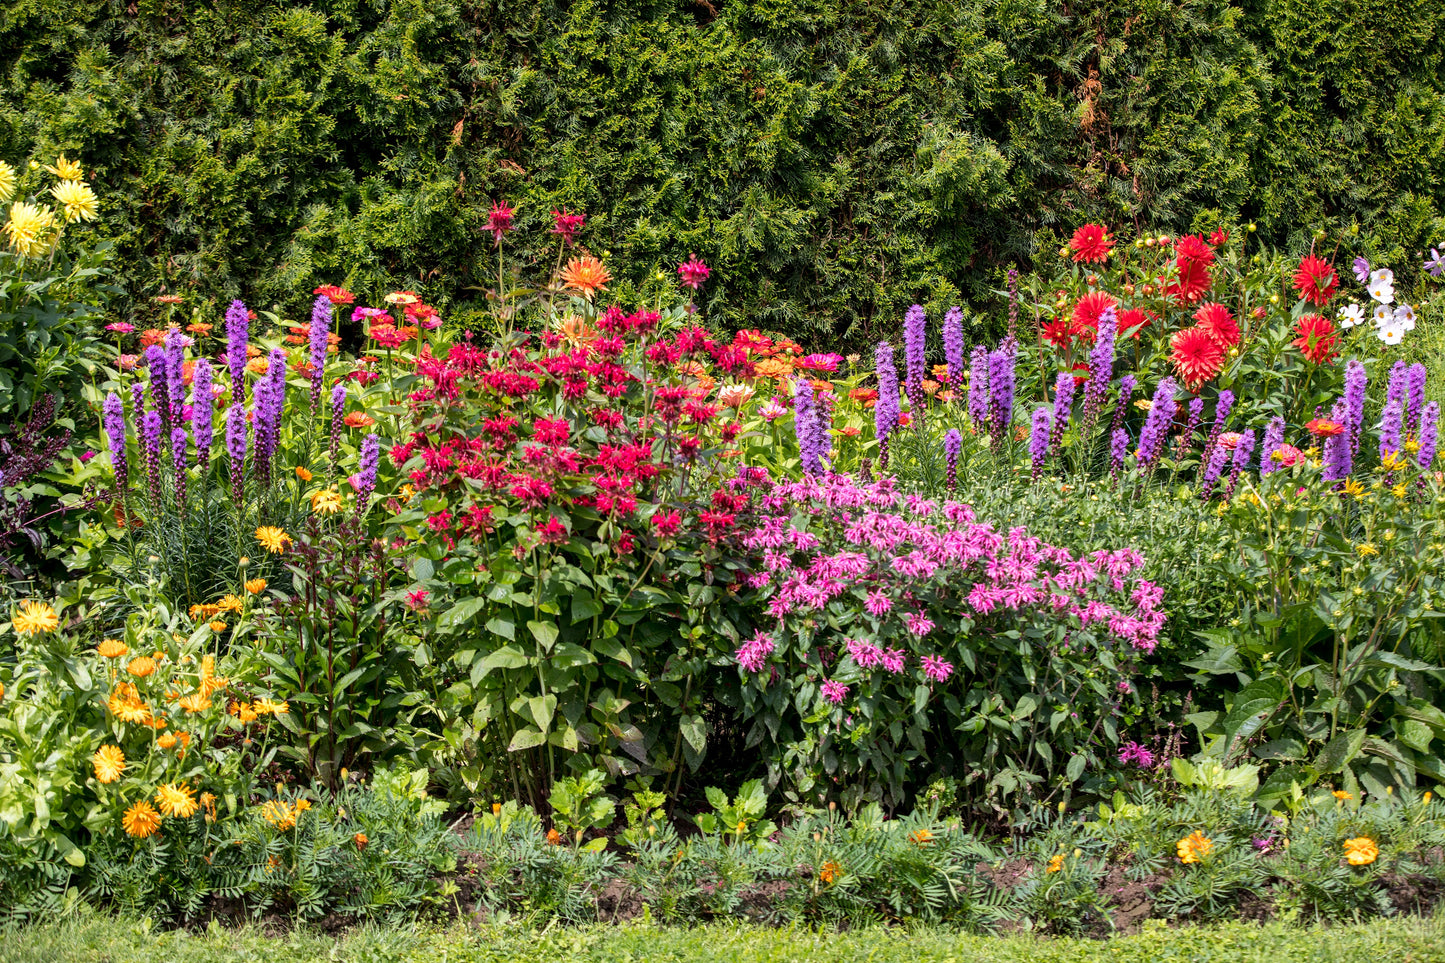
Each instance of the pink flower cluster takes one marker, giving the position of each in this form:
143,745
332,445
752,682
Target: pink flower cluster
920,563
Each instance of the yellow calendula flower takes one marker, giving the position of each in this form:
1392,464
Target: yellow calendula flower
326,502
218,626
126,705
244,712
167,741
1400,490
229,603
141,820
66,170
30,228
111,649
279,815
1194,847
272,539
177,800
266,707
77,201
1342,795
109,763
1361,851
7,182
303,473
35,618
195,703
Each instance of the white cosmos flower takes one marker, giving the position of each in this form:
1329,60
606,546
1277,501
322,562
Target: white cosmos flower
1382,315
1382,291
1391,334
1351,315
1383,274
1405,317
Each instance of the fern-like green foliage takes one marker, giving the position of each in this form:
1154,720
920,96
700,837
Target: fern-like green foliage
834,160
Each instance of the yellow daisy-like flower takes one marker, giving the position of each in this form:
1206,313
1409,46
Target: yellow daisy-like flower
177,800
109,763
244,711
1352,488
141,820
35,618
1341,794
1361,851
1366,549
1055,864
255,586
1393,460
218,626
77,201
1400,490
229,603
126,705
326,502
1194,847
272,539
30,228
208,802
195,702
141,666
66,170
266,707
7,182
279,814
111,649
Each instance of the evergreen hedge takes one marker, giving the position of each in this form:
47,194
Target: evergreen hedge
834,160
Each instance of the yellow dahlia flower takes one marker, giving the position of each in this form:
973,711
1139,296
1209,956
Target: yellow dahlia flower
109,763
35,618
66,170
30,228
77,200
7,182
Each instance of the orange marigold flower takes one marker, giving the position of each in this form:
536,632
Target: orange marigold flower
218,626
360,840
266,707
208,803
35,618
554,838
272,539
830,872
244,711
303,473
1055,864
229,603
177,800
279,815
921,837
141,820
586,276
1194,847
1361,851
167,741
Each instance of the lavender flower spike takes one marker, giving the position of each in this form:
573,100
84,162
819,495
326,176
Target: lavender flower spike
238,333
1126,391
1118,451
1273,438
1355,385
805,424
1212,469
176,374
113,414
1063,406
1429,434
1414,396
915,363
953,345
338,410
155,358
1001,391
1391,428
236,448
1338,456
320,329
150,437
1039,439
364,481
178,464
203,409
1101,365
1157,422
886,412
952,446
978,387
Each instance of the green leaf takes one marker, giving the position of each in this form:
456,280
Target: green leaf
1252,707
505,628
609,646
694,731
1075,768
545,633
460,614
1339,751
507,657
525,739
569,655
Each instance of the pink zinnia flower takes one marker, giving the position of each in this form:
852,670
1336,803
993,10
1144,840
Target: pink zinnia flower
878,603
834,692
919,624
120,327
499,220
936,668
693,272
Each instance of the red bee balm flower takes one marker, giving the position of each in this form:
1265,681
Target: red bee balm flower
499,220
1324,428
1216,319
693,272
1317,338
567,225
1197,357
1315,280
1091,243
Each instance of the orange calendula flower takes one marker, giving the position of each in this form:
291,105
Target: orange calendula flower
109,763
279,814
195,702
1342,795
1194,847
303,473
218,626
35,618
141,666
586,276
921,837
266,707
208,803
126,705
111,649
554,838
360,840
177,800
255,586
244,711
326,502
167,741
141,820
229,603
1361,851
272,539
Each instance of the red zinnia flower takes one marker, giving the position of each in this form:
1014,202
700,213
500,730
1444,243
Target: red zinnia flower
1091,243
1197,356
1315,280
499,220
336,295
1216,319
1317,338
1194,280
1324,428
1088,311
1191,249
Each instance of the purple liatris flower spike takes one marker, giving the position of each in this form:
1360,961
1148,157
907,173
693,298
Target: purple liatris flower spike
1429,434
137,397
1126,391
150,439
1391,428
952,446
1212,469
155,358
113,416
364,481
953,345
338,411
1039,439
1355,385
1414,397
1222,406
1338,458
1000,391
1243,453
978,387
238,333
320,329
915,334
886,411
1361,268
1196,413
1395,392
176,374
236,447
1118,450
178,464
1101,365
805,425
1063,406
1157,422
1273,438
202,411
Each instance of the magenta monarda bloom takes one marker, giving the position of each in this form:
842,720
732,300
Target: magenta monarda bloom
693,272
755,651
567,224
834,692
936,668
499,220
919,624
878,603
1132,753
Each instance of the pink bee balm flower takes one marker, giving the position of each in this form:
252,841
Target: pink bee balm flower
878,603
936,668
416,599
499,220
693,272
1136,754
754,652
919,624
894,660
834,692
567,224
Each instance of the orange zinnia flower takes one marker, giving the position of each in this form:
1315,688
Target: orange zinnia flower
357,419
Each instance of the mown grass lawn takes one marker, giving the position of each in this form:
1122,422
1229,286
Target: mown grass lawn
99,939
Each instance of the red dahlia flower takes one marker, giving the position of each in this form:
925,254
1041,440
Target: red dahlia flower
1216,319
1132,322
1088,311
1194,280
1219,238
1197,357
1091,243
1191,249
1317,338
1315,280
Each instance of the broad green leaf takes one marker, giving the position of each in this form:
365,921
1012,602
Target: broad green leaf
1339,751
460,614
1075,768
545,633
525,739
